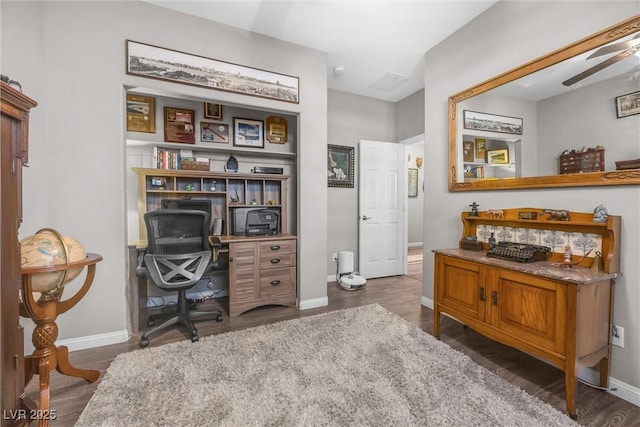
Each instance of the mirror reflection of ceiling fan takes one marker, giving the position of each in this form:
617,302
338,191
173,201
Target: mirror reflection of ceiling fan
626,49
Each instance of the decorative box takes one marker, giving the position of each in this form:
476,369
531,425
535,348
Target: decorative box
472,245
193,165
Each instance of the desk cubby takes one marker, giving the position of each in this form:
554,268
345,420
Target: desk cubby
224,190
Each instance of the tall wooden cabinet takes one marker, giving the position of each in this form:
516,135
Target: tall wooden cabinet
13,155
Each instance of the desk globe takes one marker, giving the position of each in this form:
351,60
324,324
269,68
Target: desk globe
49,262
48,248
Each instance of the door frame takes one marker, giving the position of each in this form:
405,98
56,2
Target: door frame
405,142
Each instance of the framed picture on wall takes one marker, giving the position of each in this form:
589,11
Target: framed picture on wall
412,180
141,113
212,111
628,105
498,157
248,133
340,166
214,132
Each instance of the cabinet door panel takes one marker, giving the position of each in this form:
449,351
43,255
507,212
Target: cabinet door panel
462,284
530,308
243,271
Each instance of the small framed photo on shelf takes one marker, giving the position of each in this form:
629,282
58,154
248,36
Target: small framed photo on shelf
498,157
628,105
214,132
212,111
248,133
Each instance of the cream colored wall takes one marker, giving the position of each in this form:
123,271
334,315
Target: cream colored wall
505,36
70,57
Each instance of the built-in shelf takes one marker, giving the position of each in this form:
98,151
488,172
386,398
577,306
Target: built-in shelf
212,148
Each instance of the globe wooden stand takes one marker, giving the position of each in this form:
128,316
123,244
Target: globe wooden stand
44,312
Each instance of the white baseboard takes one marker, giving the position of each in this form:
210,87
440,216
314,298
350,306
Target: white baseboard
92,341
616,387
415,245
427,302
313,303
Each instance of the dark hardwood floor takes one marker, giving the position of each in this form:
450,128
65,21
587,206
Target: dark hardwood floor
398,294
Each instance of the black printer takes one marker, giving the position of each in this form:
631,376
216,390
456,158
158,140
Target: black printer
261,222
255,221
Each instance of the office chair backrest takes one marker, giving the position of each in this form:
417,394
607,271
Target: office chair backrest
177,231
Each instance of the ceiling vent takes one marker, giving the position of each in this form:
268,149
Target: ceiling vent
389,81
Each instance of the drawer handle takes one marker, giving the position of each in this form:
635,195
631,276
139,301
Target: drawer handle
275,247
494,297
275,282
275,261
482,295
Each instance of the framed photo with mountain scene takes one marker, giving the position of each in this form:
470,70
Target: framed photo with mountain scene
248,133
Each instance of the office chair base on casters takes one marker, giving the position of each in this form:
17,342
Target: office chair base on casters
186,320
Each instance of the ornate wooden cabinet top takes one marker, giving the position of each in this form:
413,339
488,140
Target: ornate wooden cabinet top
584,232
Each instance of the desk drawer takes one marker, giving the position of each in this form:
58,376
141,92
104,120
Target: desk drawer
278,247
278,281
269,260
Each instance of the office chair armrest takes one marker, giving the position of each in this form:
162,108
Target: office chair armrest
216,245
141,270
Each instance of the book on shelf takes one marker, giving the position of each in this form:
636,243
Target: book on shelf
165,158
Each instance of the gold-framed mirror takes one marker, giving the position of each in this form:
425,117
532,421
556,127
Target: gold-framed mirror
518,135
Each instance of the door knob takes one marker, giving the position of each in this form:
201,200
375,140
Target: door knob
364,217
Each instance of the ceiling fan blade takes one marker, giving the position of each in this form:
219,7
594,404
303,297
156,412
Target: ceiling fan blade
600,66
615,47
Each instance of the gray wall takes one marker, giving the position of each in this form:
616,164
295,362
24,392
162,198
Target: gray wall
70,57
587,117
523,31
410,116
352,118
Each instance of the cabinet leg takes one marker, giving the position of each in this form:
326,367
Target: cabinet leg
603,367
436,322
571,392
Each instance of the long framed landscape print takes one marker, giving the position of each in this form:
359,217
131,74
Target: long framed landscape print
492,122
160,63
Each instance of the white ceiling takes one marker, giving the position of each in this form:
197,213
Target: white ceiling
377,42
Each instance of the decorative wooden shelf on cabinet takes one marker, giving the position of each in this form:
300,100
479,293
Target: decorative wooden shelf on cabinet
225,191
560,314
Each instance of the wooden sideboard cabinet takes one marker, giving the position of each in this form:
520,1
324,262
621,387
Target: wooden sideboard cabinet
15,132
560,314
262,271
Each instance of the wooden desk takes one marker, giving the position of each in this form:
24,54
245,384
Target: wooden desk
560,314
261,271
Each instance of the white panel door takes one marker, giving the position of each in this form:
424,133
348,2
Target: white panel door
382,180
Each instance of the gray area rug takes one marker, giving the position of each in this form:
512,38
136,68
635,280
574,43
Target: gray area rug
363,366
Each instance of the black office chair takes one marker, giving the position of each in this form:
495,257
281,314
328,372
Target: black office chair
178,256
